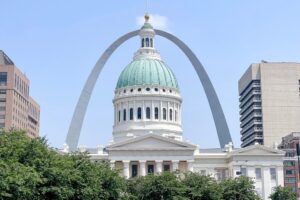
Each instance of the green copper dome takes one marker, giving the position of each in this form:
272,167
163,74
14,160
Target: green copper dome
147,72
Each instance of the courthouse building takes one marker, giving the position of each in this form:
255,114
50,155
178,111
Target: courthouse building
17,109
148,136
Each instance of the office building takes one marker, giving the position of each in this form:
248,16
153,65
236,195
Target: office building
269,102
17,109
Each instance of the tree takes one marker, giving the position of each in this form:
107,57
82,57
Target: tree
201,187
166,186
283,193
240,188
29,169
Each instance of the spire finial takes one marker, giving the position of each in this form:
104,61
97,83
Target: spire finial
147,17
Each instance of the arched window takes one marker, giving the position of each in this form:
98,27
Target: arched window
147,42
176,116
151,42
139,113
164,114
124,115
143,40
171,114
131,114
148,116
156,112
119,116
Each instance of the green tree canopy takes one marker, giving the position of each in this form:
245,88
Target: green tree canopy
201,187
29,169
239,188
283,193
166,186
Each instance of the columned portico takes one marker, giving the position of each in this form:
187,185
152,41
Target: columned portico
142,167
175,164
159,166
126,168
190,165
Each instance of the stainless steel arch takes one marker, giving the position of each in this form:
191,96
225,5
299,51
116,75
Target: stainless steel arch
81,107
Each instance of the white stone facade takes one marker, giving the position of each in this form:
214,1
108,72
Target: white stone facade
147,138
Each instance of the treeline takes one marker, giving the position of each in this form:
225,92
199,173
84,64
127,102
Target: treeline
30,169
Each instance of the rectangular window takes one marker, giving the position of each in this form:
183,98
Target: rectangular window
203,172
258,173
290,171
156,113
3,78
131,114
273,173
244,171
134,170
150,169
2,108
2,91
290,180
2,125
289,163
2,116
2,100
166,168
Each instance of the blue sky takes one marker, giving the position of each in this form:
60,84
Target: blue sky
56,43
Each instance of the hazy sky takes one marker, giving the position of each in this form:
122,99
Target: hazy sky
56,43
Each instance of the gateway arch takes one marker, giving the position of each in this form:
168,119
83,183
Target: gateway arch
82,104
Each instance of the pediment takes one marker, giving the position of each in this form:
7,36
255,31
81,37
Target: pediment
257,150
151,142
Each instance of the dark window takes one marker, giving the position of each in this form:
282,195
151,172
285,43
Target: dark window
3,78
124,91
290,171
151,42
166,168
139,89
156,89
148,113
147,42
119,116
124,115
148,89
139,113
2,108
131,114
170,91
2,91
150,169
164,90
131,90
143,42
171,114
156,112
164,114
134,170
176,116
2,100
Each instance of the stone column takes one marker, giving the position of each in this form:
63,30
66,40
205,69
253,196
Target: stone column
175,164
126,168
158,166
112,164
142,167
266,182
279,175
190,165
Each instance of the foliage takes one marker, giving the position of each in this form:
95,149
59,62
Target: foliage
29,169
201,187
238,188
283,193
165,186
